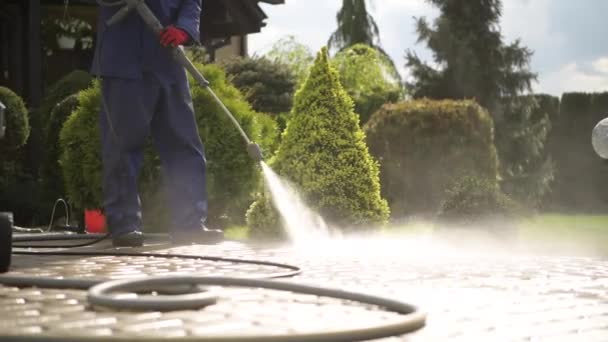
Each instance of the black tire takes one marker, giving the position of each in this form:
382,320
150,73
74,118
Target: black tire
6,240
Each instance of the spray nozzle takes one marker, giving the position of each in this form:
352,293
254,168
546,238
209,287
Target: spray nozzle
255,152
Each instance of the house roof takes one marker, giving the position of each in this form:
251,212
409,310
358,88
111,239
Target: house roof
220,18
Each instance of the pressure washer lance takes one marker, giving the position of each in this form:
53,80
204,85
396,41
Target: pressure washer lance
180,57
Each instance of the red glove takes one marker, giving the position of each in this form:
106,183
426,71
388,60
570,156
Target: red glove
173,36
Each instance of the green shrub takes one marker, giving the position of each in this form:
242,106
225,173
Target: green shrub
473,200
231,175
17,121
263,220
269,86
80,158
323,153
423,146
16,185
368,78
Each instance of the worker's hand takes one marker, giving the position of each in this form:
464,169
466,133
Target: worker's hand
173,36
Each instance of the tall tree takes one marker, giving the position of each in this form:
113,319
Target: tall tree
355,26
297,56
473,62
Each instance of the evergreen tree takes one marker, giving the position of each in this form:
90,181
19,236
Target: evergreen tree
474,63
355,26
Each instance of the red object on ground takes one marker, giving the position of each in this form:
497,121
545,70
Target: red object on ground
95,221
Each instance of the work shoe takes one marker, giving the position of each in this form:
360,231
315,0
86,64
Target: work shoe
202,236
131,239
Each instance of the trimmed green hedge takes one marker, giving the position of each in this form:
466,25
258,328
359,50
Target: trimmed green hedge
424,146
232,175
580,174
323,153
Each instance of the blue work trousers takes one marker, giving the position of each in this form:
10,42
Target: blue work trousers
132,110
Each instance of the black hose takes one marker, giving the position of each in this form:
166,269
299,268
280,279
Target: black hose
411,318
96,240
291,270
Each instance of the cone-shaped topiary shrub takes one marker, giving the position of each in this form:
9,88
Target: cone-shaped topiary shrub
424,146
231,175
323,153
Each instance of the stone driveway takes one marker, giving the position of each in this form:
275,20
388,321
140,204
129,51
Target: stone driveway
469,293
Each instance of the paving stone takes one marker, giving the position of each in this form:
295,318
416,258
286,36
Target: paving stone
467,296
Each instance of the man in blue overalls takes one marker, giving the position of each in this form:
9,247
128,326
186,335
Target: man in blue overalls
145,92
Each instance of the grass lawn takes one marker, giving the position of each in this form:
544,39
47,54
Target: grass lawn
238,233
587,234
586,230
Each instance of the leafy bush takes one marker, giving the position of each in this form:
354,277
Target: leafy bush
323,153
474,200
16,184
231,175
80,158
263,220
17,121
269,86
368,77
423,146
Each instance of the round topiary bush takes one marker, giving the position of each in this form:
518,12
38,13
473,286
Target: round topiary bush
424,146
323,153
476,202
17,121
17,187
231,175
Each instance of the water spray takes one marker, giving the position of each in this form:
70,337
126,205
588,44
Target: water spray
178,54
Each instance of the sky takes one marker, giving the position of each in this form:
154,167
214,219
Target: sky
569,38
